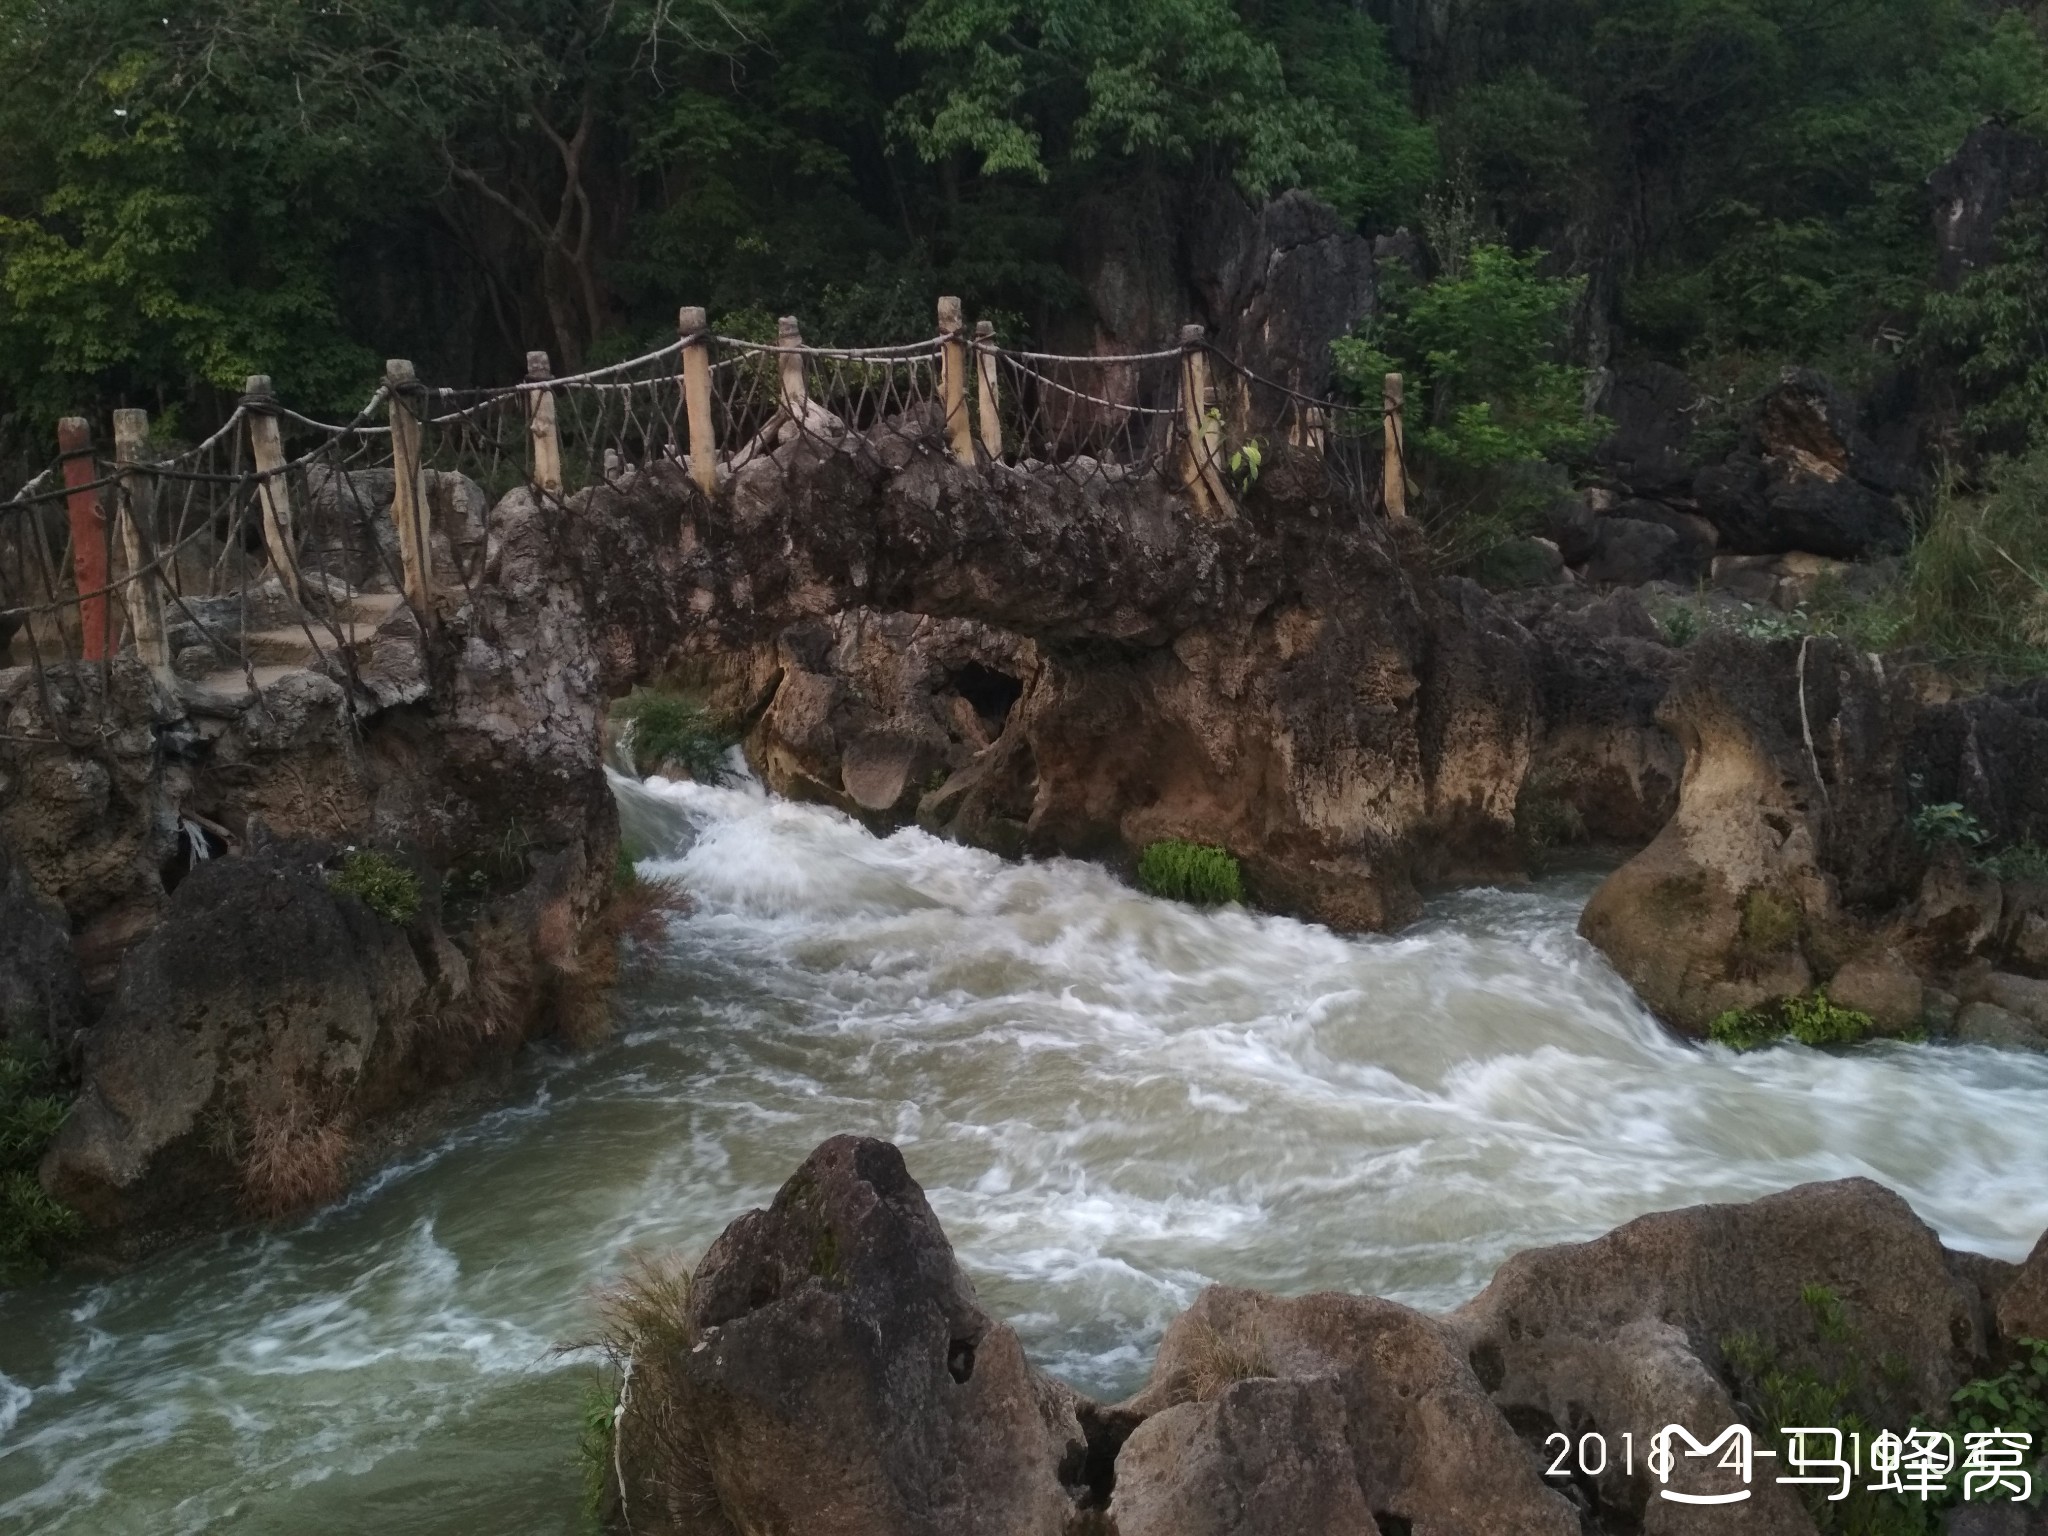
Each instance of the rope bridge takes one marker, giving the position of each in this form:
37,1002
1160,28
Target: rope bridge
282,541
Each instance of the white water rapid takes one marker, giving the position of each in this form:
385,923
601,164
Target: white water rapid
1111,1102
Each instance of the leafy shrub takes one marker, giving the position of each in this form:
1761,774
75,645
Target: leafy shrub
1947,823
32,1109
1480,350
380,883
2018,861
2015,1399
1681,625
665,728
1192,872
1746,1029
1813,1020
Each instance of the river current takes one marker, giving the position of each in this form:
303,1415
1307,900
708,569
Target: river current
1110,1101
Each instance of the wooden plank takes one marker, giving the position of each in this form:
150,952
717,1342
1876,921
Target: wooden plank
695,326
273,493
989,403
541,428
1203,472
953,380
89,551
796,394
141,595
409,488
1394,470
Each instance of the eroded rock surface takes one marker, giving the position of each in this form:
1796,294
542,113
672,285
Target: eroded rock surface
1791,859
835,1374
840,1378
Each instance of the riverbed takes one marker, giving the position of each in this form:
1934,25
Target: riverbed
1111,1102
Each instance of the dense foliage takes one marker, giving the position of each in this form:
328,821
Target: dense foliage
33,1107
191,194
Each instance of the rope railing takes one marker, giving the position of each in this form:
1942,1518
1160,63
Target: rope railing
205,562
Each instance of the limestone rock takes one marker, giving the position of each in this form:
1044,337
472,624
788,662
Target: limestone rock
1633,1330
1879,982
1268,1457
2022,1304
1996,165
42,993
1427,1447
1630,552
1989,1024
250,1025
1650,449
845,1382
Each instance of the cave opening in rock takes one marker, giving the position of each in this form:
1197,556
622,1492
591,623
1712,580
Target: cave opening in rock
992,693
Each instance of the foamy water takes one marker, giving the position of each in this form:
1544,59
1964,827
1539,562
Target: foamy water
1111,1102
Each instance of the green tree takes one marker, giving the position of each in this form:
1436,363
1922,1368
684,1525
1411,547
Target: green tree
1994,331
1482,350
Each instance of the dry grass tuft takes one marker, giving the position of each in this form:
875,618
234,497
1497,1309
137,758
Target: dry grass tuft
555,936
293,1156
640,908
1216,1359
500,979
655,1459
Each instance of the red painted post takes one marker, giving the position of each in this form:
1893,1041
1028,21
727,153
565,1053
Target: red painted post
88,534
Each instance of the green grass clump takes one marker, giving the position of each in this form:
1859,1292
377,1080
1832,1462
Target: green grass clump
2018,861
665,728
380,883
32,1109
1770,923
1812,1020
1191,872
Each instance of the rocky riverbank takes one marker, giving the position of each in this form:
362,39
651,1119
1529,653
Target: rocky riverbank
826,1367
1027,659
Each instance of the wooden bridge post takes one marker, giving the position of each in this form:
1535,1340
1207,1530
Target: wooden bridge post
1204,425
267,448
796,394
1394,469
88,535
540,426
695,326
988,405
953,380
409,488
138,497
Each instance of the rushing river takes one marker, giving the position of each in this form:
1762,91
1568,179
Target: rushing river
1111,1102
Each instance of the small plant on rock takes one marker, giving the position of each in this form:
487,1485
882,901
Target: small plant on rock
1217,1360
380,883
2018,861
1813,1020
1199,873
32,1109
667,729
1680,624
1948,823
635,1442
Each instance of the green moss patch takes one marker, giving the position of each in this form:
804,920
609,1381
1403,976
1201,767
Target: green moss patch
380,883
